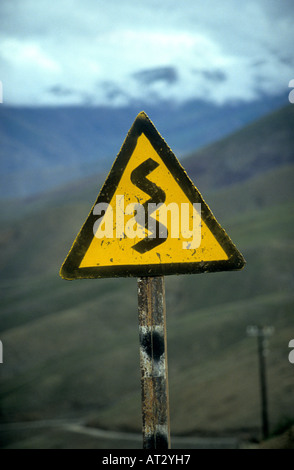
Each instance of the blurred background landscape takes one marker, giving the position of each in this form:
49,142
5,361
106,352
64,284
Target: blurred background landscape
215,84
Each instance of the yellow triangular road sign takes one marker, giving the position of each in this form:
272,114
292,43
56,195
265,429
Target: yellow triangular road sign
149,219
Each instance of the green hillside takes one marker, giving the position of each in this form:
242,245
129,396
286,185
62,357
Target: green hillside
71,349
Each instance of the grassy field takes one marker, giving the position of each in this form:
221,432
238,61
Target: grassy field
71,349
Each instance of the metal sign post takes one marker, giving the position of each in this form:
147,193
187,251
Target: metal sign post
153,363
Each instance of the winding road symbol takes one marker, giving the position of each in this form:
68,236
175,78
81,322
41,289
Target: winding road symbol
157,196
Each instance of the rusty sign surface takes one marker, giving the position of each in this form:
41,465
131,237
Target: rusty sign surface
149,219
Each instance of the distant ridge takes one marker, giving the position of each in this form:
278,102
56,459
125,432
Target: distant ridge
255,149
42,148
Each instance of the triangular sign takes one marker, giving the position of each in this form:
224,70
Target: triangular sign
149,219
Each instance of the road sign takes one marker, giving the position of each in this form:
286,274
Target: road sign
149,219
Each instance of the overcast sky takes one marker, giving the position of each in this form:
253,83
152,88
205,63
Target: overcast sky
112,52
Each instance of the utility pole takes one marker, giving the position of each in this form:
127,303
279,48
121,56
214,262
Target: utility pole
262,334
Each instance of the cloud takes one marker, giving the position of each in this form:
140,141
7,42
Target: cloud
215,76
159,74
112,53
27,54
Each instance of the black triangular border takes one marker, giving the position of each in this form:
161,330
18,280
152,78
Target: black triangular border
70,269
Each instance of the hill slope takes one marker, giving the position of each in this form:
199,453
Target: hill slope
44,147
71,348
261,146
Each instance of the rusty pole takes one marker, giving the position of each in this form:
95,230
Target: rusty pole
153,362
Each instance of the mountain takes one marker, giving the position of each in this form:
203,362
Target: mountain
71,349
42,148
258,147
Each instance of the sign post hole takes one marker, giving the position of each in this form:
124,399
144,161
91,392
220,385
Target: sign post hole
153,362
